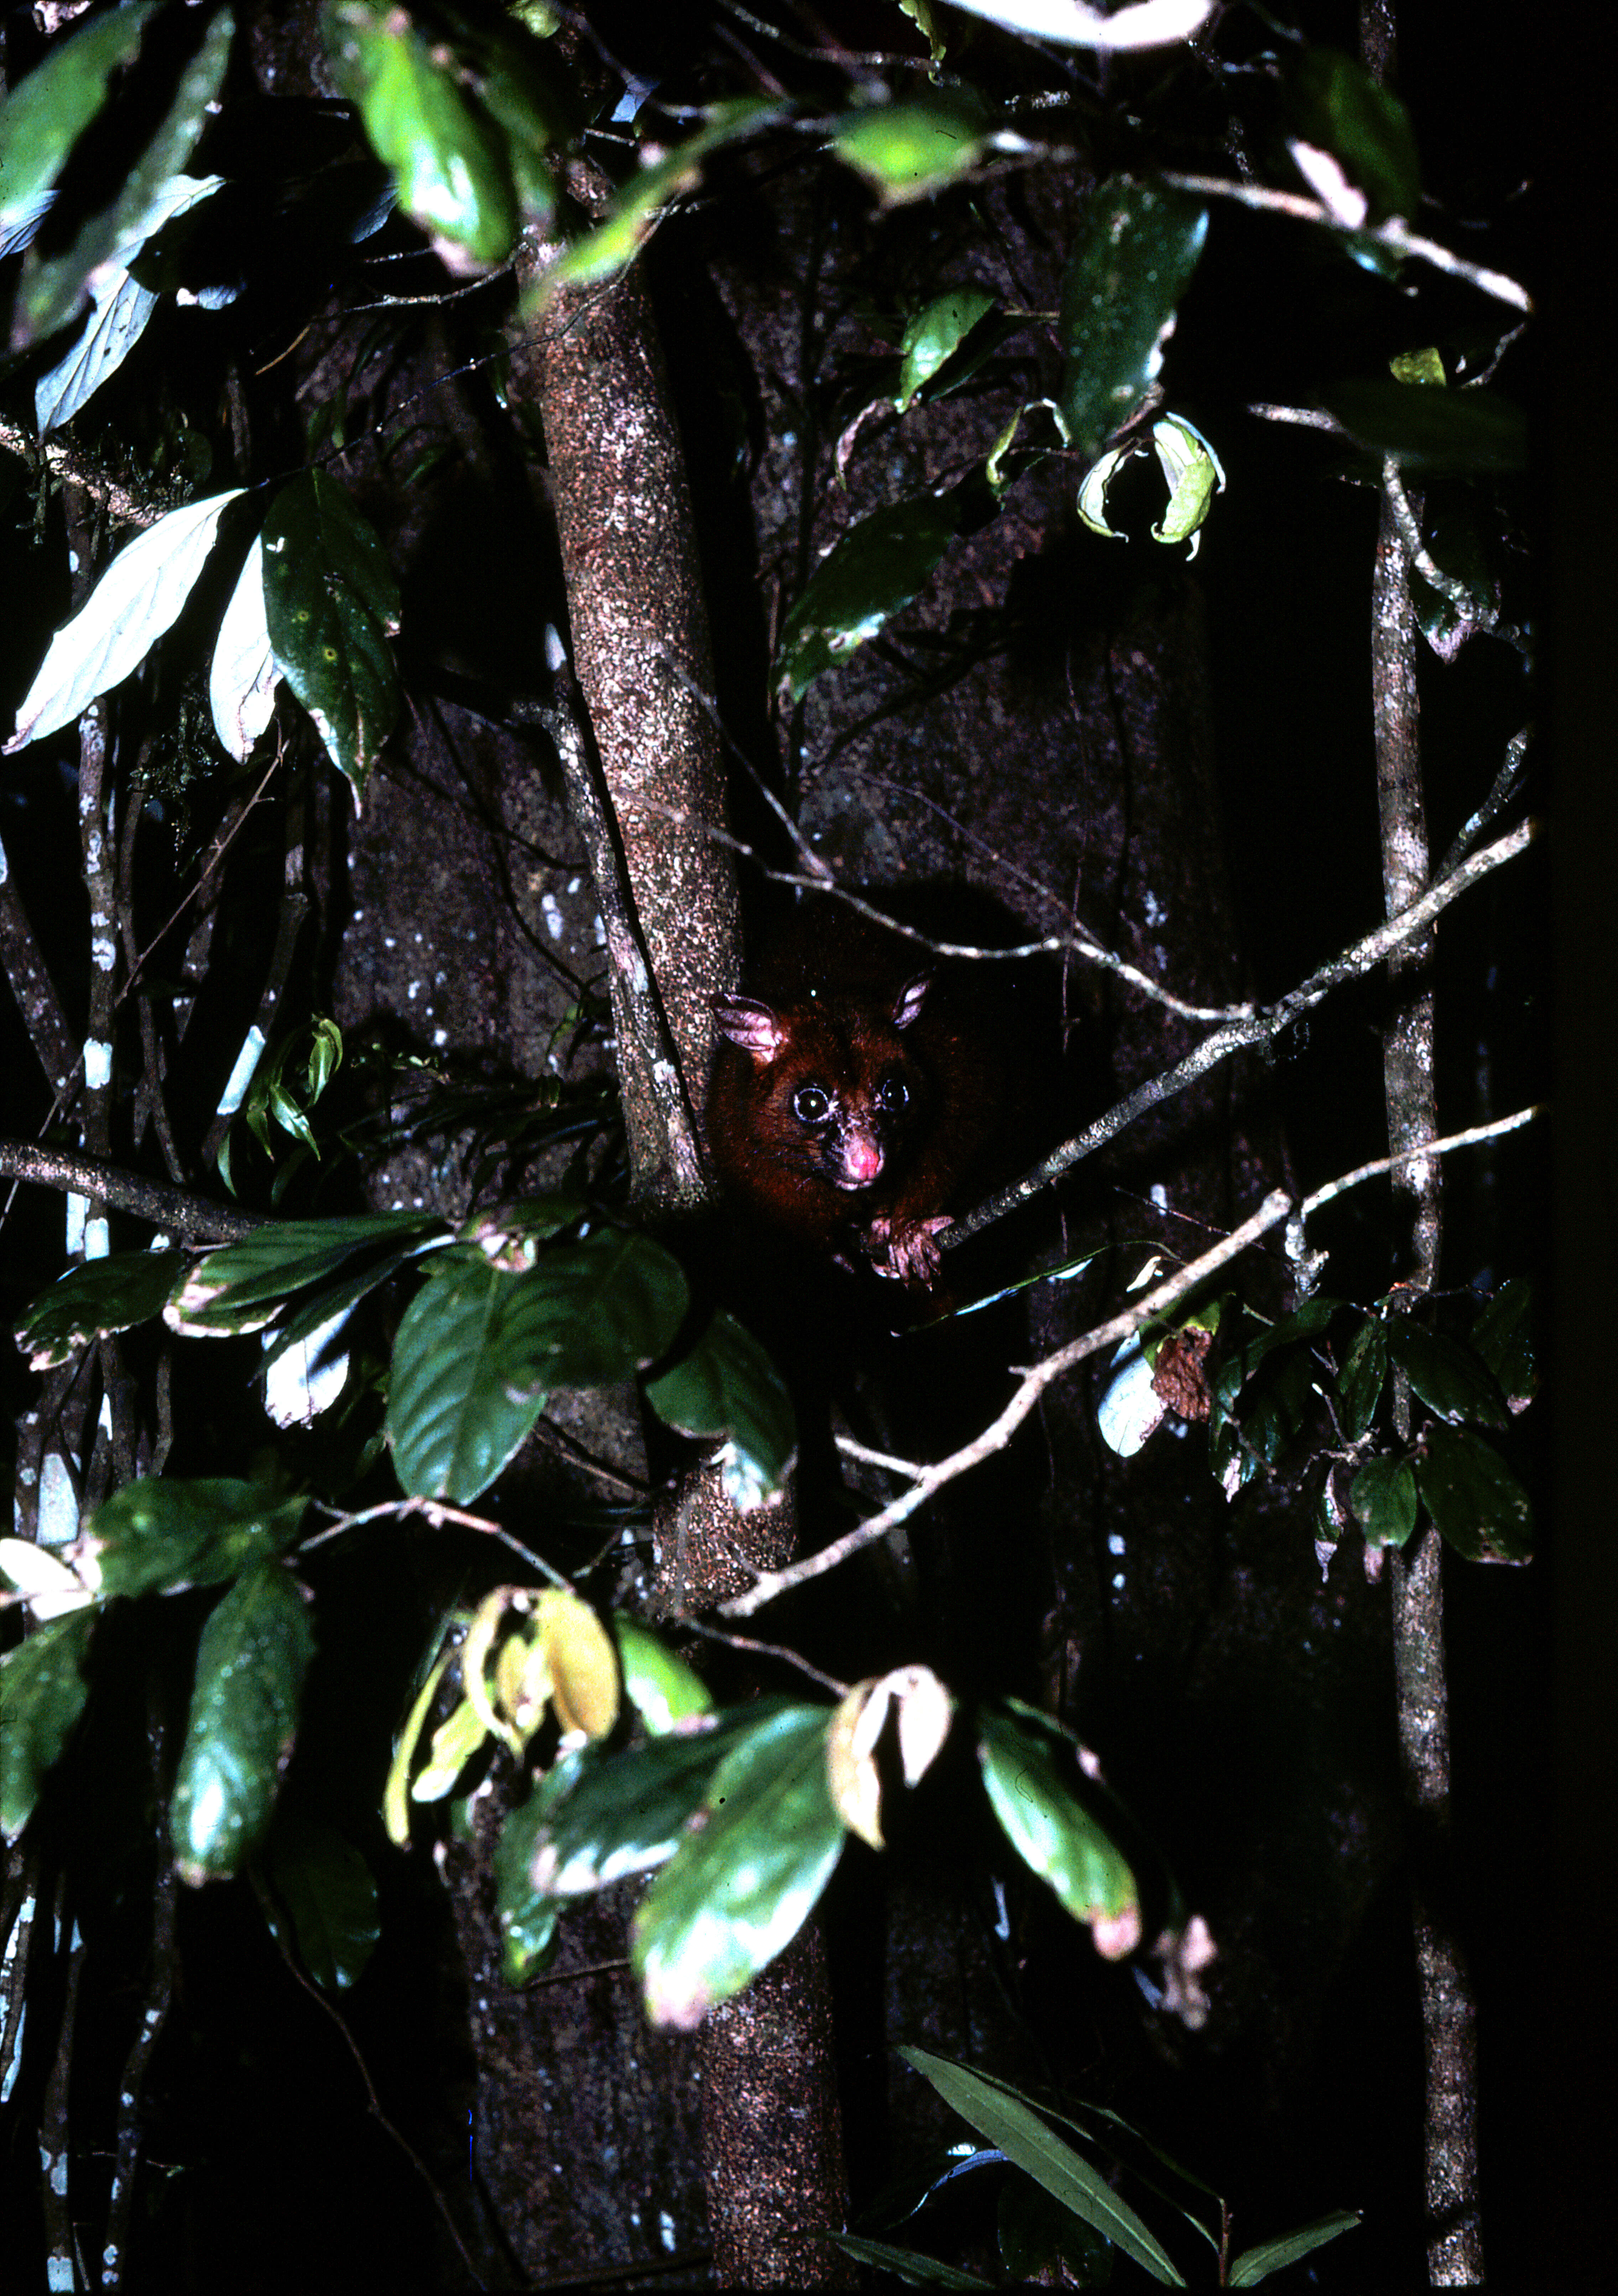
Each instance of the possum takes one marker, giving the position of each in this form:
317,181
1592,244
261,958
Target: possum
852,1094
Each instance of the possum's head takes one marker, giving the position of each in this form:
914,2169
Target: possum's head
835,1090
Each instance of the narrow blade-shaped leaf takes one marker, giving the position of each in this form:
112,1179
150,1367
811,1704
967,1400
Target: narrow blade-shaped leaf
1256,2264
254,1652
45,115
866,578
1027,2141
239,1287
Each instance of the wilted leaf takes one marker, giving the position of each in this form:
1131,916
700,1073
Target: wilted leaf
331,604
138,599
41,1694
164,1536
1119,294
251,1661
103,1295
740,1888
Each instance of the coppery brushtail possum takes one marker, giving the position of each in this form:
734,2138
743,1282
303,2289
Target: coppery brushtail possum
852,1094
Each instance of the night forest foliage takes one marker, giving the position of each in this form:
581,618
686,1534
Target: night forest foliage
510,1677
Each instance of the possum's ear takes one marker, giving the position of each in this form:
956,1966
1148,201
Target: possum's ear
750,1024
910,1000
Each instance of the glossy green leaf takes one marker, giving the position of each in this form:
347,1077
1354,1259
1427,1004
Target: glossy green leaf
1031,1773
1448,1378
1428,431
604,252
1007,2120
1256,2264
906,151
1359,1383
331,604
863,582
663,1689
449,159
1503,1339
935,335
42,1696
1338,106
254,1652
1382,1497
103,1295
588,1314
1473,1496
740,1887
240,1287
1119,293
728,1386
164,1536
452,1420
51,290
45,115
627,1811
322,1885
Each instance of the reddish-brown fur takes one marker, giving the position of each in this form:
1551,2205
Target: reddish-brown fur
851,1093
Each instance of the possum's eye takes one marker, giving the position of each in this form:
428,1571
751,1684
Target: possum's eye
892,1094
810,1104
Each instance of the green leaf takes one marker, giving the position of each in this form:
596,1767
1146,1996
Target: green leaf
1005,2119
449,159
42,1696
864,580
907,151
1339,107
1448,1378
1256,2264
251,1661
663,1689
935,333
328,1894
1503,1338
1429,430
1359,1383
1119,293
1381,1499
728,1386
240,1287
1030,1770
105,1295
625,1812
332,603
451,1418
909,2265
164,1537
1474,1497
45,115
589,1314
50,289
604,252
740,1889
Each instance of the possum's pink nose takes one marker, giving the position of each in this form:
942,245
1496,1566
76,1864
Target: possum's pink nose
861,1160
